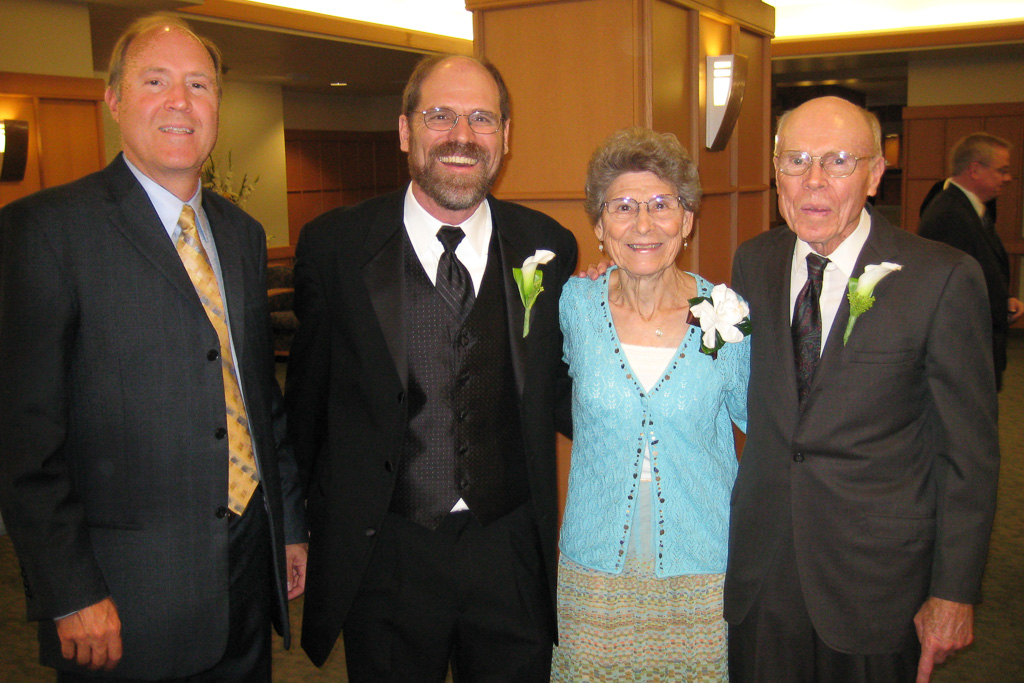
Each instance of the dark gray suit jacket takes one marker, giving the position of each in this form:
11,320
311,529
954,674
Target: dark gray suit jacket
886,479
347,376
111,399
950,218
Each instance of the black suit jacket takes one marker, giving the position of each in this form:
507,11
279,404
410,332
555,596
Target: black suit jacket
111,469
346,388
886,479
950,218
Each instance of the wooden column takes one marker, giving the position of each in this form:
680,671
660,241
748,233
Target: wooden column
578,70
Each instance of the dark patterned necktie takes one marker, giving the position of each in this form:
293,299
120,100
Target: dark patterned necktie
453,281
807,324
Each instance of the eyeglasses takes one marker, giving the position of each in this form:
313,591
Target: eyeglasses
443,119
1004,171
659,207
836,164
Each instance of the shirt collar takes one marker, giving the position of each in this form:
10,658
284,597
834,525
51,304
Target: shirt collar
422,227
978,205
168,206
846,254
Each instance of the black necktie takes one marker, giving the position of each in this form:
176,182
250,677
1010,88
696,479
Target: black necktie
453,282
807,324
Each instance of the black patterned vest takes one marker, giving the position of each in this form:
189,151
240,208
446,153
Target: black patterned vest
463,438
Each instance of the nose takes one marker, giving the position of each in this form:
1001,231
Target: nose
643,220
461,129
178,97
816,177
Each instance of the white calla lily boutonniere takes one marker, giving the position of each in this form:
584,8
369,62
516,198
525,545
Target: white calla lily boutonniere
860,291
723,318
529,279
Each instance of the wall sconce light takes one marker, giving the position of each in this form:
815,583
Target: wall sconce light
13,149
726,82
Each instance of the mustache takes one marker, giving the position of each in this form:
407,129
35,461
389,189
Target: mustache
462,149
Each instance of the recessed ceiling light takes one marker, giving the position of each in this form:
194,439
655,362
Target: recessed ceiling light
338,84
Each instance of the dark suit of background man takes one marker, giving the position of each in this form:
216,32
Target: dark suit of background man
114,425
958,216
861,512
428,429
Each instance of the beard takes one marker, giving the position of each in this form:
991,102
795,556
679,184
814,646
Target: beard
451,191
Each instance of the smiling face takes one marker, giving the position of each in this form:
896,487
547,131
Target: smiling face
822,210
641,246
453,170
167,108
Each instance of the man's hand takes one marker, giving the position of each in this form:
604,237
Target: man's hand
295,556
594,272
92,636
1015,309
943,627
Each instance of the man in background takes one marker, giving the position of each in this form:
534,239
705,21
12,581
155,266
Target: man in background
959,217
864,501
424,414
144,474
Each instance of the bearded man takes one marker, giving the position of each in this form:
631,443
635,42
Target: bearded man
423,417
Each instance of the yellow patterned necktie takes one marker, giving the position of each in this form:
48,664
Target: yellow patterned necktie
242,475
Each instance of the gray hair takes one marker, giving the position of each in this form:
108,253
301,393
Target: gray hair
144,25
870,119
974,147
639,150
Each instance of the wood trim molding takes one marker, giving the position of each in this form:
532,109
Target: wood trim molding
348,29
61,87
947,111
889,41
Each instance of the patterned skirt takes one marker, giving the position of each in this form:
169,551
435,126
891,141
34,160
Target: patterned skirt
633,626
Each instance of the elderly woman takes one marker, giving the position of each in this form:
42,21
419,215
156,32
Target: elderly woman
644,539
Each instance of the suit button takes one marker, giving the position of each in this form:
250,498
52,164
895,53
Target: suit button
388,467
464,339
371,532
463,414
463,380
212,354
463,449
222,512
401,397
220,433
798,457
464,485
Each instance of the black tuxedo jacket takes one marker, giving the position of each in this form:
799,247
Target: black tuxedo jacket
346,388
111,468
886,478
951,218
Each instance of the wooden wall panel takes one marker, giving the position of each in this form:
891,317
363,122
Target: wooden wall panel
674,73
717,172
924,152
70,145
715,238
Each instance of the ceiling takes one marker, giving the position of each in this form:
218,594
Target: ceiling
305,62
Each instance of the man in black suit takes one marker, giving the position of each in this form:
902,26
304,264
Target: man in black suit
144,473
863,505
959,217
422,411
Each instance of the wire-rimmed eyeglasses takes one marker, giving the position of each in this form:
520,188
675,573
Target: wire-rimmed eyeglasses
444,119
836,164
659,207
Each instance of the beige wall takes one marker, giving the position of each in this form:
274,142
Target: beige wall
964,81
307,111
45,37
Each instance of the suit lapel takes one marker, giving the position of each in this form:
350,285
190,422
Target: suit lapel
229,254
514,250
133,214
383,272
777,278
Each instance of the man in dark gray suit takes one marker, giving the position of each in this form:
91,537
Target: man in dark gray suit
959,216
863,505
144,475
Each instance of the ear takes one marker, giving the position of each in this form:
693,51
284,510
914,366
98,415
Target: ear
599,230
876,171
687,223
112,102
504,133
403,132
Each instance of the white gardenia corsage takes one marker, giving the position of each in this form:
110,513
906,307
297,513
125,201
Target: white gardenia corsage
859,291
529,279
723,317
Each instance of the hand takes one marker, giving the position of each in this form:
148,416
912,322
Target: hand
594,272
92,636
1015,309
943,627
295,556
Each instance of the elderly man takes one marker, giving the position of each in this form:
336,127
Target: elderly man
864,500
958,216
143,476
424,412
